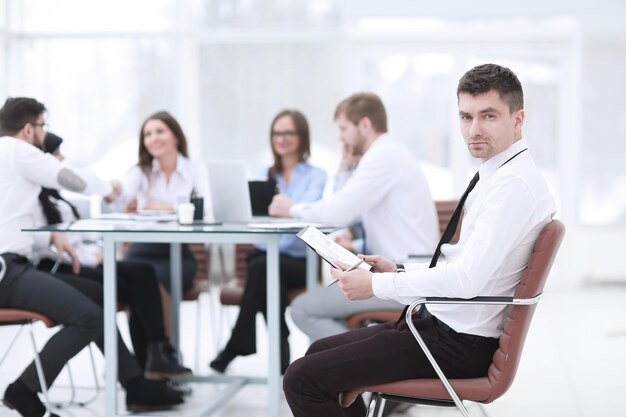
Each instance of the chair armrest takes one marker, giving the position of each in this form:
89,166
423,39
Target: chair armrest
485,300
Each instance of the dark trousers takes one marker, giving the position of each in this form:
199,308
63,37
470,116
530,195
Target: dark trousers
138,288
72,303
158,255
375,355
292,273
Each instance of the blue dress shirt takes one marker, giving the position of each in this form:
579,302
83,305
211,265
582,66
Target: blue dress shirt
306,186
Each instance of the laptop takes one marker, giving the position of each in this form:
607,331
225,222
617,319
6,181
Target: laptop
230,194
261,194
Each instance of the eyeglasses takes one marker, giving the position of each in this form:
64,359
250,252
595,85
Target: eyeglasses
285,133
44,126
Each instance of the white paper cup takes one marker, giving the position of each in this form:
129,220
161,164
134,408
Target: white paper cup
185,213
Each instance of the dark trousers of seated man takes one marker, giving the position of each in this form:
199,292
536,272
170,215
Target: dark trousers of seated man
70,302
137,287
379,354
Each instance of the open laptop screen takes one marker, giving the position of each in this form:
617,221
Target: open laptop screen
230,194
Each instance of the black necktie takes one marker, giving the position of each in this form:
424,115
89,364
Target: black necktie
450,228
454,222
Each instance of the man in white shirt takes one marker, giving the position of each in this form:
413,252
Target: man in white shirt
504,214
68,301
387,190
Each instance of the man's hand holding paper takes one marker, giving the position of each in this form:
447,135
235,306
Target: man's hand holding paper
356,284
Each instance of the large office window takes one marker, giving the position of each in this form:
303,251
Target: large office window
97,92
225,68
63,17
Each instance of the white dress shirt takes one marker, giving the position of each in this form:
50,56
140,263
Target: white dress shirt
154,187
390,194
504,215
23,171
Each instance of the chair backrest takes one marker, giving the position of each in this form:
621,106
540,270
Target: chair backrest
517,321
445,209
232,293
201,279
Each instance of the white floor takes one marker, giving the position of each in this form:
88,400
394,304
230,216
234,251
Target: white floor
573,363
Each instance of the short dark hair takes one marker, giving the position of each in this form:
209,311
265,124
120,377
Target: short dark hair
361,105
304,139
17,112
488,77
145,159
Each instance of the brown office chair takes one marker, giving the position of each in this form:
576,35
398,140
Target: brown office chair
199,284
521,307
367,318
232,292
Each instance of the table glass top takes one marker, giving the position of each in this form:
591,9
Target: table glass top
108,225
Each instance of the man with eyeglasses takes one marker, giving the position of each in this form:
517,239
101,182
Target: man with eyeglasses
24,169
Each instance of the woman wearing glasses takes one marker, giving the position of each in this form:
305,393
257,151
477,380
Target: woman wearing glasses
302,182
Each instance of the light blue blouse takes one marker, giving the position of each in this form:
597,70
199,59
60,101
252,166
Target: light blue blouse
306,186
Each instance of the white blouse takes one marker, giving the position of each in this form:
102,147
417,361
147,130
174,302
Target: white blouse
154,187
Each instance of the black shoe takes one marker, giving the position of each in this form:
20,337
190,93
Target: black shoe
222,361
162,363
20,398
182,387
143,395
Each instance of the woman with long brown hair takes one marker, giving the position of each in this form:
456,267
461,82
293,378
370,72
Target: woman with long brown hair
301,181
163,177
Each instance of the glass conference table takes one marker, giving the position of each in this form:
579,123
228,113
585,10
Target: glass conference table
134,229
